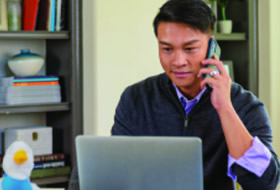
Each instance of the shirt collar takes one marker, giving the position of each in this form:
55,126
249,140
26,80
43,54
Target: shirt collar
180,95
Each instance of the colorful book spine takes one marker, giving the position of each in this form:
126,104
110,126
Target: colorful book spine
36,83
50,164
53,16
58,15
51,172
50,157
3,15
51,22
35,79
30,14
62,15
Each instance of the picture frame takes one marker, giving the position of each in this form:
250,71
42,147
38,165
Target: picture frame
213,7
3,15
228,64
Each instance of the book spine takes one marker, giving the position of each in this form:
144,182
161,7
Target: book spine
51,19
53,16
58,15
52,164
35,80
30,14
50,172
62,15
51,157
42,23
35,77
3,15
36,83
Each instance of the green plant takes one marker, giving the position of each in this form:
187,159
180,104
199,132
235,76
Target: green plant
223,4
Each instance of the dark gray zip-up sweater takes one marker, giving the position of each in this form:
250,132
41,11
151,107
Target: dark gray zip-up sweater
151,108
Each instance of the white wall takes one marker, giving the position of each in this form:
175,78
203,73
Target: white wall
269,40
119,49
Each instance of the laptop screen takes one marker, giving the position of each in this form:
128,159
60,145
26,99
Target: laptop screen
134,163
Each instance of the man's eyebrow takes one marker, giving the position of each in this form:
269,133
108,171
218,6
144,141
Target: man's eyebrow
185,44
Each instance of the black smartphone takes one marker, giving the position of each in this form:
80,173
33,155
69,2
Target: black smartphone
213,49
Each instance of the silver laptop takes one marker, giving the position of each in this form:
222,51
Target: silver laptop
139,163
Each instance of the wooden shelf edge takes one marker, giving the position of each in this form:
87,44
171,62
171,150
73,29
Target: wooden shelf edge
28,108
230,37
34,35
50,180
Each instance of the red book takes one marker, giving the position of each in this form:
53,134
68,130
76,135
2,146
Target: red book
30,9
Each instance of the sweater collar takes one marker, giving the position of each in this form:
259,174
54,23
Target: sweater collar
187,104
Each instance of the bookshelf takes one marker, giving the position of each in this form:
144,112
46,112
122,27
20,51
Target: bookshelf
230,37
34,35
242,46
50,180
27,108
63,55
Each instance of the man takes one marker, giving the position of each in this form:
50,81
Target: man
232,123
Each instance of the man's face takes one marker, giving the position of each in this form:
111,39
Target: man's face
181,50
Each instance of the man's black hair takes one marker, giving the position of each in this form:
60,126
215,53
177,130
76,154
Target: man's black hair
195,13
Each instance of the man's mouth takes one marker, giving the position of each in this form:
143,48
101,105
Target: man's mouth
181,74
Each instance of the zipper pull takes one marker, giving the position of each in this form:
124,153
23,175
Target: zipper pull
186,121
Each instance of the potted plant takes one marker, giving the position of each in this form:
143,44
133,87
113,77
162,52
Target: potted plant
224,25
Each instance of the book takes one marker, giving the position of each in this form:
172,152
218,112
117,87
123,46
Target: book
11,95
41,158
63,15
9,81
3,15
30,9
50,164
58,15
36,78
43,15
51,20
36,83
50,157
51,172
32,100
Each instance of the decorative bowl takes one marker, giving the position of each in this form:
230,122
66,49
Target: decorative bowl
26,63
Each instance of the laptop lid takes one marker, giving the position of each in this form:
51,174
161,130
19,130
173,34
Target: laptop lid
137,163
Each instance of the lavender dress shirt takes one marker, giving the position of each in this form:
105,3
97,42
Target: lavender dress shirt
256,159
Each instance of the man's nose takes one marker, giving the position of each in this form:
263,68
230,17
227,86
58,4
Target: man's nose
179,59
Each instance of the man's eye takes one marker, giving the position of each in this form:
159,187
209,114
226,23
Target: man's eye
167,49
189,49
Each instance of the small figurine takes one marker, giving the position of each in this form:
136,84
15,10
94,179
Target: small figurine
18,163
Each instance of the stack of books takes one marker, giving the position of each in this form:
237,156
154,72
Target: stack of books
50,166
29,90
46,166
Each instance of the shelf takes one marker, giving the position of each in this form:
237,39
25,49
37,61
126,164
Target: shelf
50,180
33,35
28,108
230,37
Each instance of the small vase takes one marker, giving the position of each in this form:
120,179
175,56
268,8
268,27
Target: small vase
26,63
225,26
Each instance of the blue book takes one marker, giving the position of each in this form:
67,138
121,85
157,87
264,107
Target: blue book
52,24
35,79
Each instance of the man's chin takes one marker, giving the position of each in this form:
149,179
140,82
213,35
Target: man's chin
186,84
